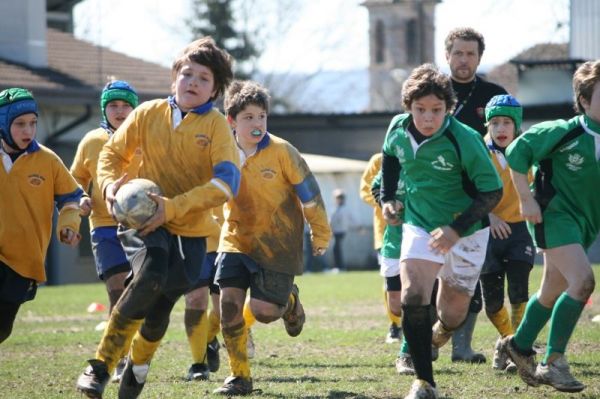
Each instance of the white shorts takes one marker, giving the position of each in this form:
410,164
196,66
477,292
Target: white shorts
389,267
460,267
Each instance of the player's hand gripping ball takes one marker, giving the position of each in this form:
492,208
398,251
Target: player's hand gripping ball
132,206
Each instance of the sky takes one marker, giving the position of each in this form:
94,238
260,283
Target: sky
316,35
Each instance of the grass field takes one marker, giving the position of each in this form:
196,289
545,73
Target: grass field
340,354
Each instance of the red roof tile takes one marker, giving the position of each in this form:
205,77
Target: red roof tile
76,67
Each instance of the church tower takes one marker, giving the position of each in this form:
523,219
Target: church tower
401,37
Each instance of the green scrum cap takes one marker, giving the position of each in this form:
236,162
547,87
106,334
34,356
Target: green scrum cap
505,105
118,90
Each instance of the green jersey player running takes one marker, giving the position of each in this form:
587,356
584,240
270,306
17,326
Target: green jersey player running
563,214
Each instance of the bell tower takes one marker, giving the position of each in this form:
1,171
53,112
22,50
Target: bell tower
401,37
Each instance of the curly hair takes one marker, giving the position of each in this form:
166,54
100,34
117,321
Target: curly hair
242,93
466,34
205,52
425,80
584,81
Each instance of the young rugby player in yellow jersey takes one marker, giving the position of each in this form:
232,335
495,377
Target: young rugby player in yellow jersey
117,101
261,240
189,152
390,295
510,252
32,180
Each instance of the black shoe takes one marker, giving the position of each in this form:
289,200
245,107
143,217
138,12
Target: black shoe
394,335
133,380
212,355
294,320
94,379
198,372
235,386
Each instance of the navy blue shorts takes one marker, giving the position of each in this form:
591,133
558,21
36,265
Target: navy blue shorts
517,247
15,288
108,252
240,271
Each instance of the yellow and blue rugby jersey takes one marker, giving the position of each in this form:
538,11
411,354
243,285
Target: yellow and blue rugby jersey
194,162
266,220
212,240
508,207
84,169
373,168
29,190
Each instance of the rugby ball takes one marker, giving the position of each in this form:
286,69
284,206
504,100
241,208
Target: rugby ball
132,206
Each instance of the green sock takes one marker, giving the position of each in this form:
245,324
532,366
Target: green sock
565,314
535,318
404,349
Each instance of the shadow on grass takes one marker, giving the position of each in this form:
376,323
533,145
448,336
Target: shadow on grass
586,369
329,395
310,379
279,365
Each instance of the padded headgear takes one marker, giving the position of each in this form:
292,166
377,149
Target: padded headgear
14,102
505,105
117,90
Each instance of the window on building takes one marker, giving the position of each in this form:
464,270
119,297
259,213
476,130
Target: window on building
379,42
412,42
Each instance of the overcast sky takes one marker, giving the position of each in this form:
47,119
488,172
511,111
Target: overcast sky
322,34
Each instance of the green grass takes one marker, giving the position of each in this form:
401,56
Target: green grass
340,354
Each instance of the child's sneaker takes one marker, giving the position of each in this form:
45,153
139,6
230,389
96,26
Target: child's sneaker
557,374
235,386
212,355
133,380
421,389
294,319
525,362
404,365
198,372
94,379
500,360
394,335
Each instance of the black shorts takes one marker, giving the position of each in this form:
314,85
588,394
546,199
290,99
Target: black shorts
208,274
517,247
15,288
240,271
182,272
393,283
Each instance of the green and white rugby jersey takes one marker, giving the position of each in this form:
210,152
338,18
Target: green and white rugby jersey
438,171
564,155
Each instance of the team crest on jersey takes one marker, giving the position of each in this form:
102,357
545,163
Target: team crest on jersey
268,173
575,161
441,164
202,140
35,180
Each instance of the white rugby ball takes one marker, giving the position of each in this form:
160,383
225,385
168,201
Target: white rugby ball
132,206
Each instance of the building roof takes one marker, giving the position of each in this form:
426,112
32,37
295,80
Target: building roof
327,164
77,71
506,74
